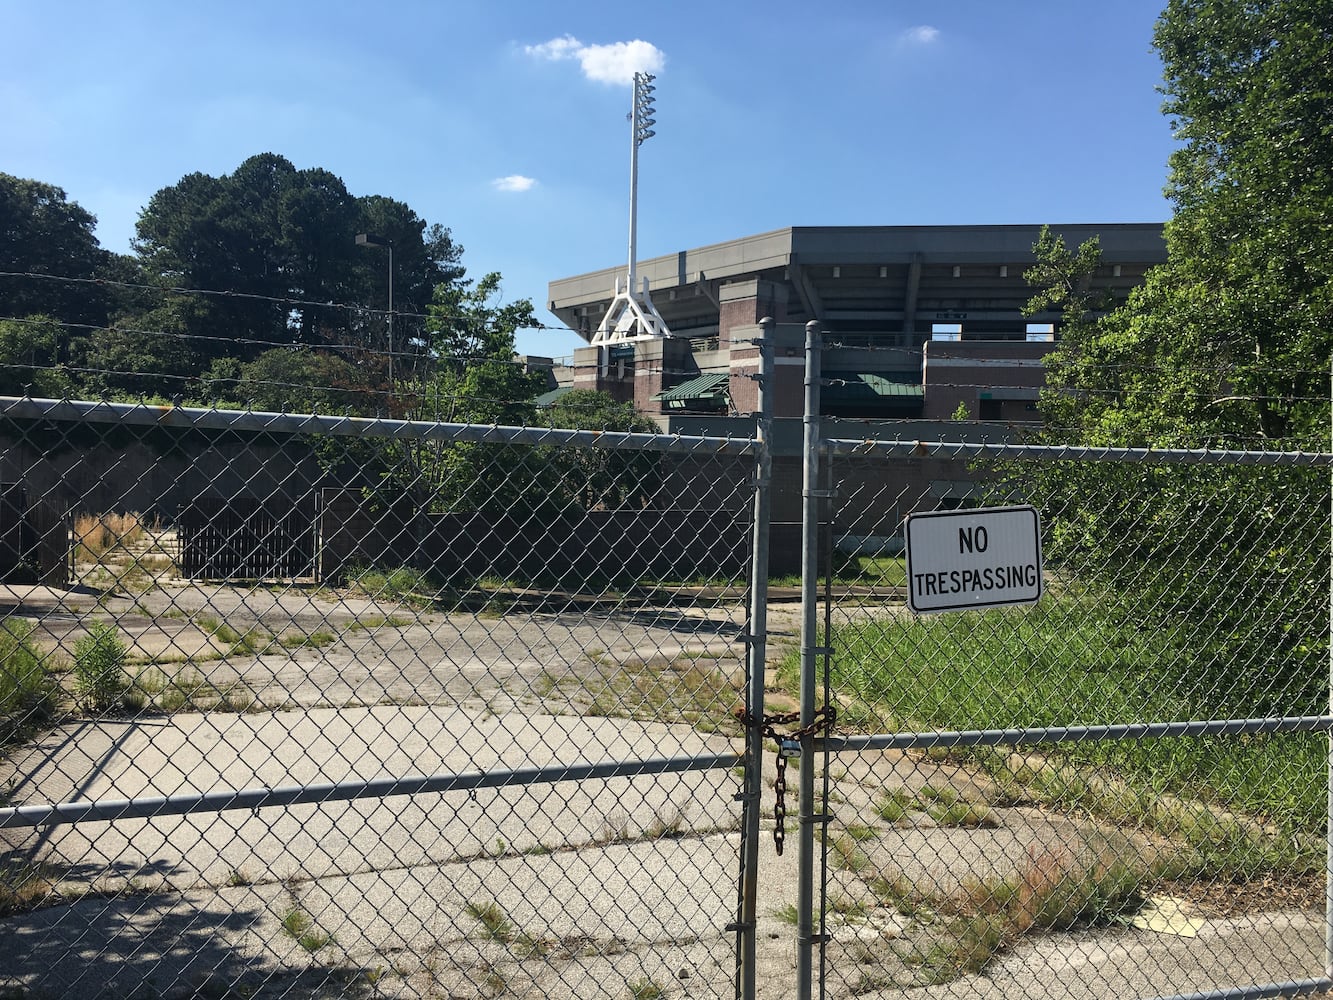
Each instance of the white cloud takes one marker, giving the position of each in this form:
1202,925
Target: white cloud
564,47
514,182
614,63
922,34
619,61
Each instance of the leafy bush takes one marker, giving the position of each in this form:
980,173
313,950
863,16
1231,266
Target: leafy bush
1231,561
99,667
401,583
27,693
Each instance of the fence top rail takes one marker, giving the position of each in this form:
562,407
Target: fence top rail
184,417
902,448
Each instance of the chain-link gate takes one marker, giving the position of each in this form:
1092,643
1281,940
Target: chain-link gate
1120,790
488,716
486,742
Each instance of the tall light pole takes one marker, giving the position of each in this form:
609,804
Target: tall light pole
641,131
371,240
632,315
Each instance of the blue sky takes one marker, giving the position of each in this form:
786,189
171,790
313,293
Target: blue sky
768,114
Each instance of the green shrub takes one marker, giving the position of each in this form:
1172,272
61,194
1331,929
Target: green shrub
399,584
99,667
27,692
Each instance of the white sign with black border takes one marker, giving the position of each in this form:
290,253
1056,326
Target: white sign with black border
986,557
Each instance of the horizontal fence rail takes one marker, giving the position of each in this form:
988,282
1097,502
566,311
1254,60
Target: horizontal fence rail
944,739
65,813
999,450
182,417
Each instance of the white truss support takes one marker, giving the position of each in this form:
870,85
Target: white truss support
631,317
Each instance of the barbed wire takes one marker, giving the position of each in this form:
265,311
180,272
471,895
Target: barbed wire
374,351
947,355
832,339
407,390
286,301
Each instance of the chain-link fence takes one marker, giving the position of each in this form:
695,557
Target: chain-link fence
1118,789
312,706
319,706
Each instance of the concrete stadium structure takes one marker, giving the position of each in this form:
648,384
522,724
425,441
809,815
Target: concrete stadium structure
913,317
921,325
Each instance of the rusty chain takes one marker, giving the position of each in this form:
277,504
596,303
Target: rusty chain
824,719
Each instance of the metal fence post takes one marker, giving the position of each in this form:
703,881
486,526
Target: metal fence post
805,894
1328,856
754,740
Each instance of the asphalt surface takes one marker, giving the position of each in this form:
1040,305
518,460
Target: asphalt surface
554,888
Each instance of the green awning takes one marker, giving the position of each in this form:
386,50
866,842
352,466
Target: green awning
848,387
712,388
547,398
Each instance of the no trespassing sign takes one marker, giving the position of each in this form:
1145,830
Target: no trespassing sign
981,558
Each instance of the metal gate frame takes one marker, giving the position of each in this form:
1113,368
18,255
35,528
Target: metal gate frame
817,460
49,815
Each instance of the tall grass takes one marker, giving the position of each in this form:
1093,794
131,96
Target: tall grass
1079,662
96,534
27,691
402,583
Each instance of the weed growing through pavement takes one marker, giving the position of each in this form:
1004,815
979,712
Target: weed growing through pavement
498,927
403,584
615,827
667,822
99,667
369,623
846,853
947,808
307,640
944,805
300,927
895,806
27,692
899,893
187,691
645,989
97,534
700,693
26,885
1054,890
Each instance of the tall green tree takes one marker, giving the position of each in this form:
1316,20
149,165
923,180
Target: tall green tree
463,371
293,380
43,233
465,359
1229,342
1226,344
584,479
29,358
282,241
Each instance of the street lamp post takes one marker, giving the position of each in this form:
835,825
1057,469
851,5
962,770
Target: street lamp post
371,240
